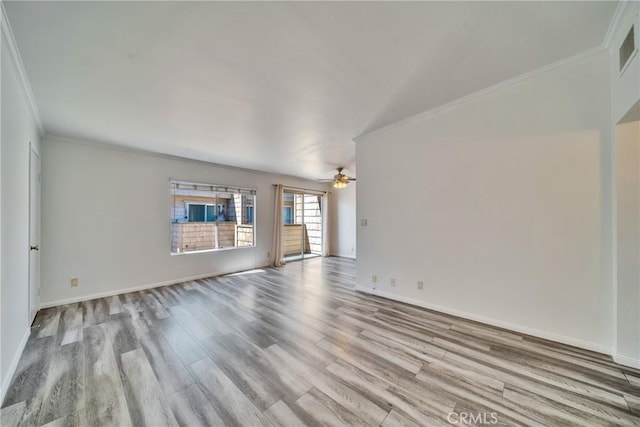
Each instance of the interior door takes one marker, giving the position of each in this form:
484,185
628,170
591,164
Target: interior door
34,233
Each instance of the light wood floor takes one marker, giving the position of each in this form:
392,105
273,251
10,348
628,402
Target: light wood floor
298,346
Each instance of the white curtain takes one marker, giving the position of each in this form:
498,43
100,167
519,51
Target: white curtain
277,257
326,235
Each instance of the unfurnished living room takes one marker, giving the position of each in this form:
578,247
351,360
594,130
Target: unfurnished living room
330,213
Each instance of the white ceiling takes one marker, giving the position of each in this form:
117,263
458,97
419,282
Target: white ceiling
282,86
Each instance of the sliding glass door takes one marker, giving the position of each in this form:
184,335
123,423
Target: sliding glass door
302,225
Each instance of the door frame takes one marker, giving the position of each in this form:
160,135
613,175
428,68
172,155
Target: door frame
323,216
33,301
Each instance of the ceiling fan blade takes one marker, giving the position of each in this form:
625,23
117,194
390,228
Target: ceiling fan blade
339,177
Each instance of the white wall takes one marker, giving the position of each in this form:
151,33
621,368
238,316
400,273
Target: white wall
106,219
343,221
625,107
18,128
501,205
628,242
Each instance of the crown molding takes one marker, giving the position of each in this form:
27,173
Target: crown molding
468,98
615,22
9,41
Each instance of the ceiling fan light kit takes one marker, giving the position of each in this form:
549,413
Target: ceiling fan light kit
339,180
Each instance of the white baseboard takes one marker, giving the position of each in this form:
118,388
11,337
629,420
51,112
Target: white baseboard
626,360
563,339
126,290
6,382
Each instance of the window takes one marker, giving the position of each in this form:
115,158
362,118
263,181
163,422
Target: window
287,215
627,50
201,212
249,214
207,217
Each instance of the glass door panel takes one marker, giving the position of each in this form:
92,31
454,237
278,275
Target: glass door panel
302,225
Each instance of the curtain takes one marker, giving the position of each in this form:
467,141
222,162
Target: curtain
326,231
277,258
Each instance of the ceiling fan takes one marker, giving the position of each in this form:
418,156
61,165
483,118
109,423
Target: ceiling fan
339,180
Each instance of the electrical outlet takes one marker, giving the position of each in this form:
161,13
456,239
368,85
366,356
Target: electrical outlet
420,284
74,282
268,254
392,282
363,222
374,279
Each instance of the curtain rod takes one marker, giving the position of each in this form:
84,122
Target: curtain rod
213,187
286,187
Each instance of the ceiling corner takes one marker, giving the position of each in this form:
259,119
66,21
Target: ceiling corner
9,41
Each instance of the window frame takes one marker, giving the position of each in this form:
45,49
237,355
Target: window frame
206,205
175,185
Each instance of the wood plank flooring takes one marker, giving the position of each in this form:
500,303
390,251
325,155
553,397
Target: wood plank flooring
299,346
